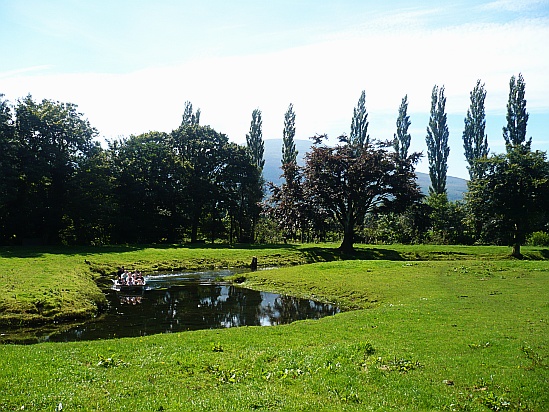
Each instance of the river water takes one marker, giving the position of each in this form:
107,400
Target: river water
176,302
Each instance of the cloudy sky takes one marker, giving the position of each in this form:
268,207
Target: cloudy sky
130,65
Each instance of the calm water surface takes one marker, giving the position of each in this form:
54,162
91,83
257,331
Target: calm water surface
188,301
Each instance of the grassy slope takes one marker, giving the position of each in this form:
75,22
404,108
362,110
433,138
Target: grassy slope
478,323
42,285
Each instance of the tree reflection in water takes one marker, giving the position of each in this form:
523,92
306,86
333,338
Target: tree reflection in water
191,303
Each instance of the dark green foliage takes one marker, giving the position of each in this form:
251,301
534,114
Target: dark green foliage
447,221
475,141
53,140
148,192
8,171
254,139
359,125
401,141
437,142
289,152
190,118
287,206
510,200
517,117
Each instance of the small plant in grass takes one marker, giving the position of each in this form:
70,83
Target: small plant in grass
531,354
347,395
398,365
109,362
227,375
217,347
494,402
479,346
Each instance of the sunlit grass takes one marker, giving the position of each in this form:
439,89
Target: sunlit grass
468,334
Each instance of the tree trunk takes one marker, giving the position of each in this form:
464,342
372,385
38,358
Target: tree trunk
516,251
516,242
348,237
194,229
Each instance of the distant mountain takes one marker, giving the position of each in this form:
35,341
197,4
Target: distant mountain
455,186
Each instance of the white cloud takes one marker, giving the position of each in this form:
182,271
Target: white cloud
323,81
513,5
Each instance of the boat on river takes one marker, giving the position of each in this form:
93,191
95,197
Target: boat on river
129,289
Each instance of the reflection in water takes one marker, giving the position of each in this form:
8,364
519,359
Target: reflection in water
184,302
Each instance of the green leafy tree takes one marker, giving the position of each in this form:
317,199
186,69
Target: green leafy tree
289,152
189,117
254,139
287,205
359,137
447,220
240,193
401,141
201,148
8,172
148,182
347,185
53,138
511,197
437,142
517,117
475,141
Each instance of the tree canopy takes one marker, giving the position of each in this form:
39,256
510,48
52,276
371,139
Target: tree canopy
514,132
437,142
402,138
475,140
359,124
349,185
254,139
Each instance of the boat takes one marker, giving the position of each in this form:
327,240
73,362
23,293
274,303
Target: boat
128,289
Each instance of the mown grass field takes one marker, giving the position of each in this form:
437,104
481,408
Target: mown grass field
431,328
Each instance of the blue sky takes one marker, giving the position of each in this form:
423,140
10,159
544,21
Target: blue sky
131,65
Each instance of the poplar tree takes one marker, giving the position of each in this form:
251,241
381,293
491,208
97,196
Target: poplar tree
475,141
289,153
359,125
517,117
437,142
190,118
402,138
254,140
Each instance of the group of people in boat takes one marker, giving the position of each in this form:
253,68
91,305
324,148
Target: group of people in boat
128,278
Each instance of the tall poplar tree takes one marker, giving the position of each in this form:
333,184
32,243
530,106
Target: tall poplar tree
359,125
402,138
437,142
289,153
517,117
475,141
189,117
254,140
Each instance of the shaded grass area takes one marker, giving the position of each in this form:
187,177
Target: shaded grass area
463,335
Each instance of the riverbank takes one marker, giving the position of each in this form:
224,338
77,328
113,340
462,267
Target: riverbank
44,285
465,333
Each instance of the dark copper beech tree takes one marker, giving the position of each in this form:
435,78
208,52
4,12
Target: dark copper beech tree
350,182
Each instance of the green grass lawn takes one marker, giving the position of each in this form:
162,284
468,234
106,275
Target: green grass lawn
431,328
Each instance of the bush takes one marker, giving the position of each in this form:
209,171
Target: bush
539,239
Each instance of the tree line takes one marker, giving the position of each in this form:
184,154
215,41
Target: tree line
59,185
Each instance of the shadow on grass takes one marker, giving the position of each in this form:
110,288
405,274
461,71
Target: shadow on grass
323,254
38,251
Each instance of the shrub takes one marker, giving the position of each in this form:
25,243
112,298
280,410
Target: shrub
539,239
